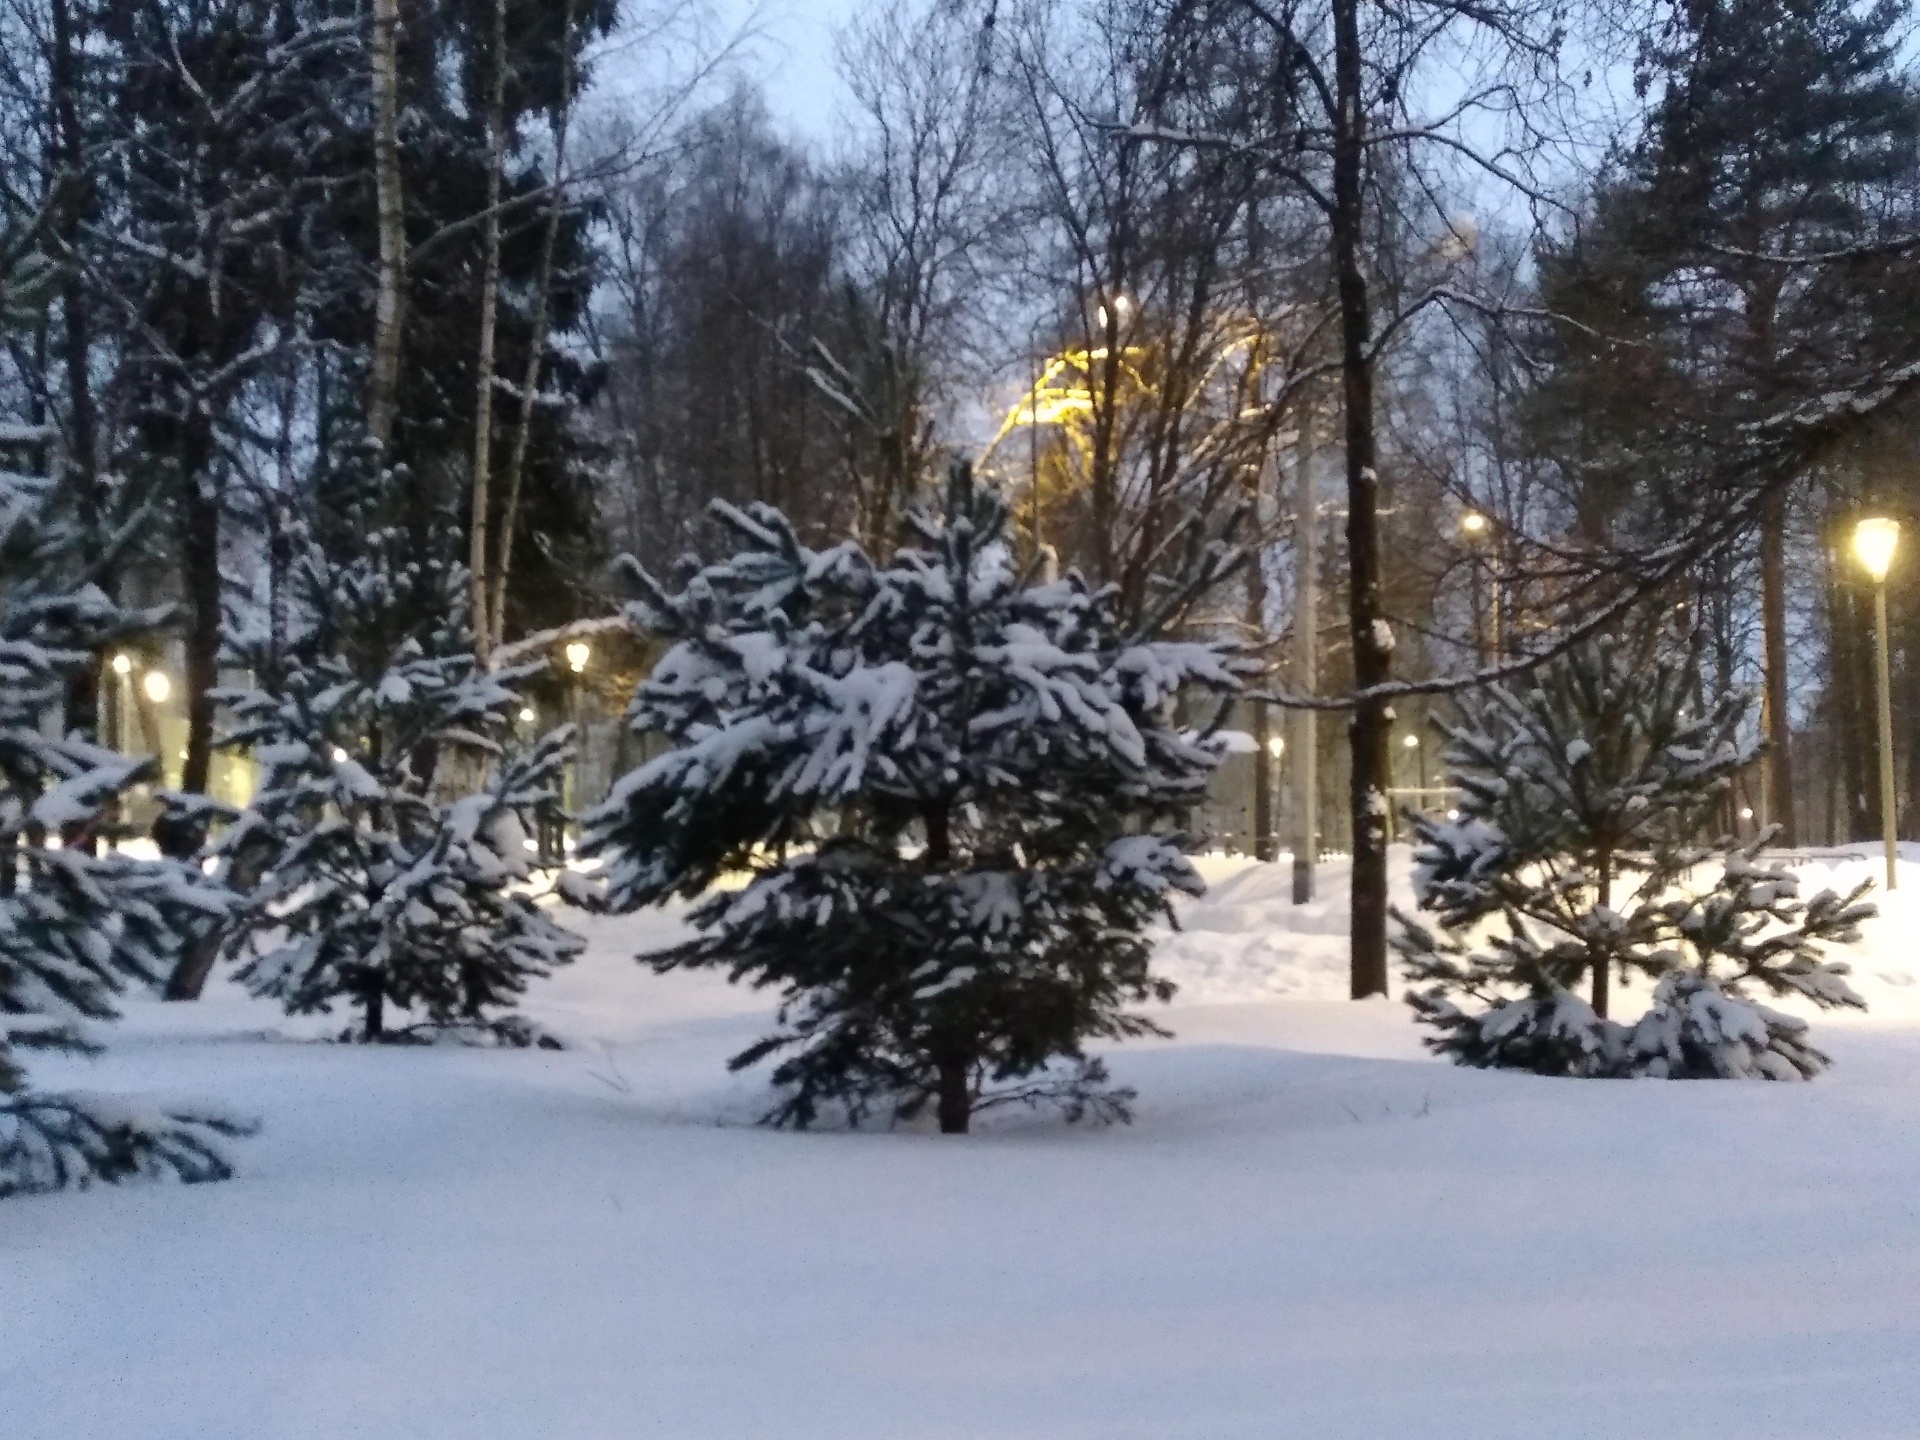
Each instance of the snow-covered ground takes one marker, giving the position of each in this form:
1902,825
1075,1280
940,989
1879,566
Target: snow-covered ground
1311,1230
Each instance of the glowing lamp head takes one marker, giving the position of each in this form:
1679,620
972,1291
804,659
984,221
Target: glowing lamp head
1276,747
157,686
526,714
1474,523
1874,541
1746,812
339,755
123,664
1412,742
578,653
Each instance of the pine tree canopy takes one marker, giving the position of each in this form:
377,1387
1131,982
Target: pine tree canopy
77,924
1577,855
371,877
955,794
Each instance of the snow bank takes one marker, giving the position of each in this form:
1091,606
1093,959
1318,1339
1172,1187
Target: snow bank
1311,1229
1246,940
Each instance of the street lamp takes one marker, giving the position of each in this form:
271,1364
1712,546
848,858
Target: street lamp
1479,531
578,653
1874,541
157,686
122,667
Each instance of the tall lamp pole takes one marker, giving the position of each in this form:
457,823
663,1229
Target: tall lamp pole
1874,541
578,653
1479,532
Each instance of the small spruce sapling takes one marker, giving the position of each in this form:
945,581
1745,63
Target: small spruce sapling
373,883
78,923
953,792
1573,857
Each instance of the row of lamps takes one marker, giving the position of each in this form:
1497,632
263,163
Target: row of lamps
1876,538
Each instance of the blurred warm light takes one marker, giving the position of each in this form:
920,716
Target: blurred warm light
526,712
578,653
157,686
1453,814
339,755
123,664
1276,747
1746,812
1473,522
1874,541
1412,742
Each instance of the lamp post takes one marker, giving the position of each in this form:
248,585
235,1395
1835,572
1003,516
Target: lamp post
1033,436
578,652
1479,531
1874,541
122,666
1267,837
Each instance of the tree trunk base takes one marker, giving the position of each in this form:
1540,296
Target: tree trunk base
955,1099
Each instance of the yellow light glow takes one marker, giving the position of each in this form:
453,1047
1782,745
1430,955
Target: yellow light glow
339,755
1276,747
157,686
526,714
1049,408
1412,742
1874,541
578,653
123,664
1473,522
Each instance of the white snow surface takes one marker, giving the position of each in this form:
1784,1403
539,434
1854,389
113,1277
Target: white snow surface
1311,1229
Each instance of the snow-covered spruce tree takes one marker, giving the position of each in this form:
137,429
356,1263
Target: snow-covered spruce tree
371,879
76,926
953,791
1576,855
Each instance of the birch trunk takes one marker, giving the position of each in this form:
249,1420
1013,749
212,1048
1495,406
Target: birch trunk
390,301
1372,644
489,315
495,616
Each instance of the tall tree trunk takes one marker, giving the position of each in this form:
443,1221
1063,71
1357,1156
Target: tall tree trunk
489,316
1262,815
1372,644
83,689
1773,604
494,618
953,1098
1303,732
1910,717
389,315
200,564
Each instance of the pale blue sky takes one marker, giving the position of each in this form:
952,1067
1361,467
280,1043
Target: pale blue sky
792,57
